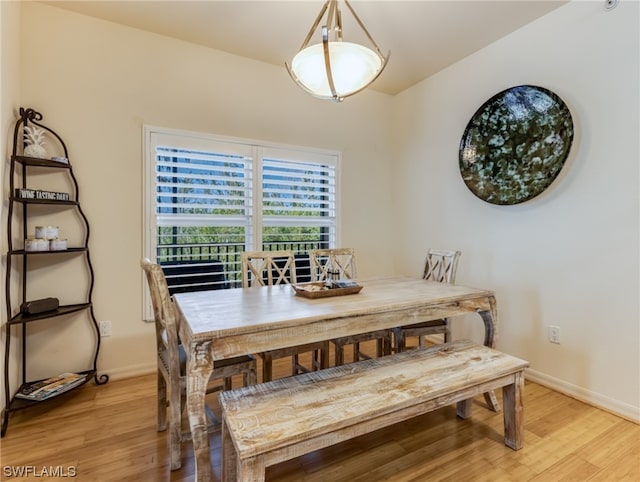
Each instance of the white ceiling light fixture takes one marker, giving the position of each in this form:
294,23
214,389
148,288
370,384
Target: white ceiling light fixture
335,69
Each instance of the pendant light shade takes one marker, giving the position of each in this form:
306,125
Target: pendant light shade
335,69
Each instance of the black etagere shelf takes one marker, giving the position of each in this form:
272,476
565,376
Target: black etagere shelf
59,311
44,201
22,252
16,262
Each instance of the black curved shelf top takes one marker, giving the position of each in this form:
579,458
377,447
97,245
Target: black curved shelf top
20,403
60,311
59,251
36,161
44,201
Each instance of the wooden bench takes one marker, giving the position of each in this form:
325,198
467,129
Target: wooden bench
269,423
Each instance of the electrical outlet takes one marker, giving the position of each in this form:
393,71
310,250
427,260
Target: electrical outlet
105,328
554,334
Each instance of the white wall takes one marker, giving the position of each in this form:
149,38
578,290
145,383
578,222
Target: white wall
568,257
97,83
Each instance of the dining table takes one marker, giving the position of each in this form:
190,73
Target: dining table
219,324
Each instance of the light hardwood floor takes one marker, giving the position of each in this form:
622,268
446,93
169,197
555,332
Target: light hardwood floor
108,433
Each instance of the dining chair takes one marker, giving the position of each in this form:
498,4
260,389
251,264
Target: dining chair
267,268
325,263
341,263
171,364
441,266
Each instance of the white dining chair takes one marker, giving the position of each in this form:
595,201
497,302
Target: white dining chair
266,268
341,262
441,266
171,364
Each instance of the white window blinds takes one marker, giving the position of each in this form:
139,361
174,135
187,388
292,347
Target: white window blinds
202,188
298,197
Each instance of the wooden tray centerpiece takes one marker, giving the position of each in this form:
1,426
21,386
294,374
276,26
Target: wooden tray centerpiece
322,289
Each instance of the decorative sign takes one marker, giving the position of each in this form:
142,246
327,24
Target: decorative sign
515,145
23,193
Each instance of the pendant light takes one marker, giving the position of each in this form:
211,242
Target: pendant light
334,69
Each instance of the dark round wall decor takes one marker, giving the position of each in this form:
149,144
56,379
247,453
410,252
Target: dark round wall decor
515,145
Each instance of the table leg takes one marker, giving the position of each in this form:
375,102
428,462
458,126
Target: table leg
199,369
512,396
490,319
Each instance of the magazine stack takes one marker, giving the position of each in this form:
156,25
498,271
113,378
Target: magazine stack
50,387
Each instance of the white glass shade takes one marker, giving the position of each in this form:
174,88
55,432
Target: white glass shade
353,67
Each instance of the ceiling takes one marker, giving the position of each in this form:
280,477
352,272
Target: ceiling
423,36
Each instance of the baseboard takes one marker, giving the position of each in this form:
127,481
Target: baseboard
624,410
130,371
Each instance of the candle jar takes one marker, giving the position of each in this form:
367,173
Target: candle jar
36,244
57,244
46,232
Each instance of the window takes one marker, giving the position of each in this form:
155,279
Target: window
207,199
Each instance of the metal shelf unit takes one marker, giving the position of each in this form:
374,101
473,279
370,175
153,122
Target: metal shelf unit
21,168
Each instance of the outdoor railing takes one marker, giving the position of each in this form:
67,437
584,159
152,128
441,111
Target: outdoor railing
198,267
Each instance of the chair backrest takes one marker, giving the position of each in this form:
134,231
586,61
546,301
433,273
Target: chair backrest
441,265
164,314
266,268
328,263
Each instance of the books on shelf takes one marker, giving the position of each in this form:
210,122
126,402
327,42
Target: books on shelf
43,389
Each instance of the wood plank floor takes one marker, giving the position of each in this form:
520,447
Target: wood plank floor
108,433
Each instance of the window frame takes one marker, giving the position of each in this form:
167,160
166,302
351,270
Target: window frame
259,149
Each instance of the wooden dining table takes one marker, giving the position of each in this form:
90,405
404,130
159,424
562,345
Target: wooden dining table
220,324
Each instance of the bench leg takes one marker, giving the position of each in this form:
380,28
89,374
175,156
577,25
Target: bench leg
512,397
228,455
463,408
234,469
251,469
492,401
